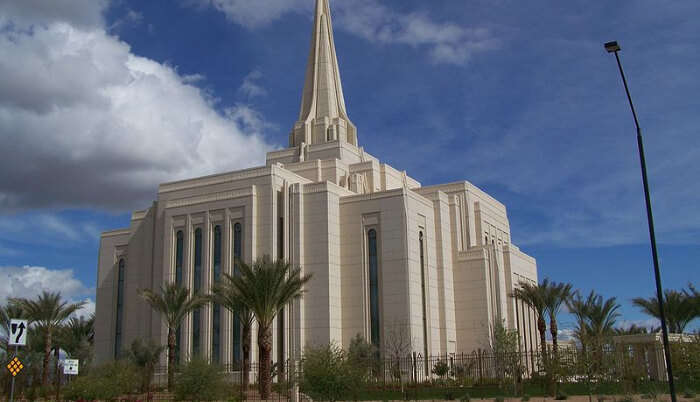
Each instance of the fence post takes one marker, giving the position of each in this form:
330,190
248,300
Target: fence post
413,368
480,365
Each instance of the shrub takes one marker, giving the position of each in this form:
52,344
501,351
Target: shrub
441,369
688,393
200,381
499,399
327,374
626,398
561,396
105,382
525,398
465,398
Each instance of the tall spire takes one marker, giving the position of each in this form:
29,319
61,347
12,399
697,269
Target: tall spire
323,117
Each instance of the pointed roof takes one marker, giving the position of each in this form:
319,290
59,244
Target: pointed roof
323,91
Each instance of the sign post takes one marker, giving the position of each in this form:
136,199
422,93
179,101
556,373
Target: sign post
17,338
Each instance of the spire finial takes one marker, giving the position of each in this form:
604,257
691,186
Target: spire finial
323,117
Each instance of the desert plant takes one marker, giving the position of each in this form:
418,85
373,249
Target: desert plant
198,380
327,374
265,287
146,357
173,303
534,296
224,293
47,312
440,369
555,296
106,382
679,309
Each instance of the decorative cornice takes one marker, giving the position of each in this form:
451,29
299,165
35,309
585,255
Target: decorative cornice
216,179
226,195
116,232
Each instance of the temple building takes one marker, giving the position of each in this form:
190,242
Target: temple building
386,252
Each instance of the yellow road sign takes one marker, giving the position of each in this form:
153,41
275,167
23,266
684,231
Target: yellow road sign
15,366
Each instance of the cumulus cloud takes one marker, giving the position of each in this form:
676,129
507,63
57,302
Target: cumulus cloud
446,42
87,123
30,281
81,13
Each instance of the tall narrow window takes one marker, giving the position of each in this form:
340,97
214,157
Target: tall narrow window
237,249
120,309
179,252
422,289
216,309
196,287
373,287
280,254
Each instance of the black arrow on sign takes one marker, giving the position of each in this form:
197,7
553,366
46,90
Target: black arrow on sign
21,331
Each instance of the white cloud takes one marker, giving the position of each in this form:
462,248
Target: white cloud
82,13
250,87
256,13
446,42
30,281
86,123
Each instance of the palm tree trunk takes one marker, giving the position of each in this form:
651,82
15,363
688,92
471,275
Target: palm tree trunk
264,377
542,327
171,357
47,354
554,331
57,378
246,357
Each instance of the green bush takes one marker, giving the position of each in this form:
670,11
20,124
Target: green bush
105,382
499,399
328,375
688,393
441,369
465,398
525,398
200,381
561,396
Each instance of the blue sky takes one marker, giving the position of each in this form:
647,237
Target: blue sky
102,100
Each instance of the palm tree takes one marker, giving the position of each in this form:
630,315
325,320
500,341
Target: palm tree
146,357
694,297
534,296
633,329
78,336
225,294
601,316
47,313
555,296
679,309
173,303
579,307
265,287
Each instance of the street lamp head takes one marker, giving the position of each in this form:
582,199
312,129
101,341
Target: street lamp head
612,47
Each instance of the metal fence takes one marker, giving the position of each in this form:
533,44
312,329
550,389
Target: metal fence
480,368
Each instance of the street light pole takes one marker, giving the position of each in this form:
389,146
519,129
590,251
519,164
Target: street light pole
613,47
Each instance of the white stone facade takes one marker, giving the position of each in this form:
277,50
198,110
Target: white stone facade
315,204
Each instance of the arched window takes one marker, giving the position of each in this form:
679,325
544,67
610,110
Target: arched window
216,309
373,263
237,253
120,309
179,258
423,298
196,287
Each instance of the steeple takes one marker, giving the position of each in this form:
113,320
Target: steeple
323,117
